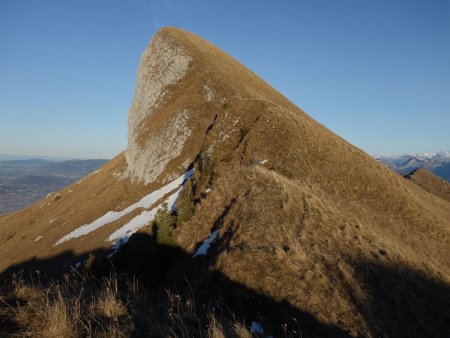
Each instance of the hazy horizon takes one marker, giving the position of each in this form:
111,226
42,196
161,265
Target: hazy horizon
375,73
8,157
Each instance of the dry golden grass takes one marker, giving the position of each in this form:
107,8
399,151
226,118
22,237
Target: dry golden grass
66,309
55,311
215,329
60,317
109,304
47,312
241,331
430,183
289,239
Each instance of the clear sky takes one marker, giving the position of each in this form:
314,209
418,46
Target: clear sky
375,72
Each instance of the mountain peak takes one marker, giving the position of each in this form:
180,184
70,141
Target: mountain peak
183,81
163,64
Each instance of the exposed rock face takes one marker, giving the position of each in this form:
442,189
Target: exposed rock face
147,163
163,63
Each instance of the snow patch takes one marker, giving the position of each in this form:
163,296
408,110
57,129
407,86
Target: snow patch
145,202
117,245
203,249
142,219
257,328
257,161
122,235
38,238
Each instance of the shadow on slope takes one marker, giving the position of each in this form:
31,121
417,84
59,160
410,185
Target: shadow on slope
168,267
8,326
402,302
52,268
153,263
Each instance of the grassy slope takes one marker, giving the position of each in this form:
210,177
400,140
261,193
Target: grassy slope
322,221
431,183
55,216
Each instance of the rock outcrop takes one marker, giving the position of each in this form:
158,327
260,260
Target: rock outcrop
163,64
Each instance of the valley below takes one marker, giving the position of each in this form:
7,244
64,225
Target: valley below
23,182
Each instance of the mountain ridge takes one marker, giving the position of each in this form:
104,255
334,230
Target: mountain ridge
436,162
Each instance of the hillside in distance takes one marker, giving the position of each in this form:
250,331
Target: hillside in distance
230,193
436,162
430,183
23,182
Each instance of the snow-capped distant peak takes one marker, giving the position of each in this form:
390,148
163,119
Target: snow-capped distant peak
420,156
434,154
438,162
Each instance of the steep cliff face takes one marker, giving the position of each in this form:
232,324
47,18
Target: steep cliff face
163,64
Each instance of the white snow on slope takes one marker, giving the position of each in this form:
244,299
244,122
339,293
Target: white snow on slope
145,202
201,251
257,328
122,235
142,219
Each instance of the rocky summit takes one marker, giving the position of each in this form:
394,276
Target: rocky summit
262,213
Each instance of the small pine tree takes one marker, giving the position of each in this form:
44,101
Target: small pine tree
164,218
185,207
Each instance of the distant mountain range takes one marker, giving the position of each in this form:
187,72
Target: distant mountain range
436,162
11,157
24,181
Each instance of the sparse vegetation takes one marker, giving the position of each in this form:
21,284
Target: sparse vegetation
163,225
207,171
166,221
165,218
109,305
185,206
81,306
204,162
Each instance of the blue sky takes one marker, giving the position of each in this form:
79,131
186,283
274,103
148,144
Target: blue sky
375,72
